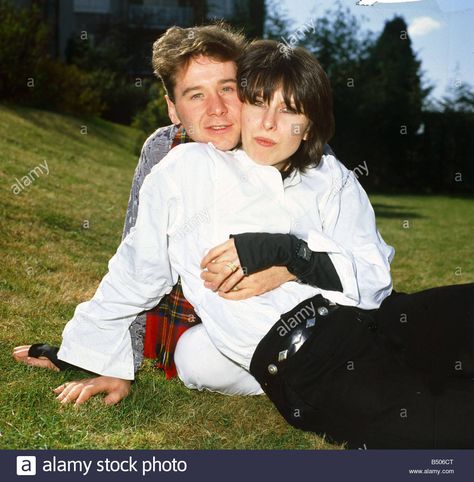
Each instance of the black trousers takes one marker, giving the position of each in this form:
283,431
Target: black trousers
397,377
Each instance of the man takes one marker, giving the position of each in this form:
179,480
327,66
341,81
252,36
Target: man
198,69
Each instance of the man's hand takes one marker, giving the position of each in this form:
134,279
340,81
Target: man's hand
81,390
20,354
232,284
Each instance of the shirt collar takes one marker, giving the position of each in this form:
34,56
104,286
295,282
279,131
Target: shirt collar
293,178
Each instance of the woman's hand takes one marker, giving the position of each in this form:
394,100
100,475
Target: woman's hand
222,268
259,283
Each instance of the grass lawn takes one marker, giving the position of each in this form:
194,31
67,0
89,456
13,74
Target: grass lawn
58,234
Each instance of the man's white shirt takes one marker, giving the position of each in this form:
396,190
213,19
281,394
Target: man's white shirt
192,201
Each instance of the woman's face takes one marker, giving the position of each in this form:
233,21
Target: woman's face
271,133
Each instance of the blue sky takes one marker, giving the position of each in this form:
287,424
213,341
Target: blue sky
442,32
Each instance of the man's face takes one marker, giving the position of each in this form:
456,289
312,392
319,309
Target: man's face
206,102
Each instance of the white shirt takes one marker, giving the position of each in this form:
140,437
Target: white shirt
192,201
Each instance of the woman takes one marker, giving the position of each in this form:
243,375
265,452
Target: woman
313,345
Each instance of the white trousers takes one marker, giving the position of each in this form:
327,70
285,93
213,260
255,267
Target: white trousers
202,366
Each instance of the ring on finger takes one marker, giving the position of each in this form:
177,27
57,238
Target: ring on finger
232,267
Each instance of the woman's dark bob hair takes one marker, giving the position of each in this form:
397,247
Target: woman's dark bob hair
265,66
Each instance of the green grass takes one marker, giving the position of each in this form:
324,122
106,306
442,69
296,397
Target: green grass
50,263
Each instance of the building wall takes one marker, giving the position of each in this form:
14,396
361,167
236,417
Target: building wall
69,18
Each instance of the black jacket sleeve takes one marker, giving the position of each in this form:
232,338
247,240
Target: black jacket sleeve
259,251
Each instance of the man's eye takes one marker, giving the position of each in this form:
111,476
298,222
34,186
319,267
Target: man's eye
228,88
196,96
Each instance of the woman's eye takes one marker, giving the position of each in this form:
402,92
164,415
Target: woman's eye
259,103
289,110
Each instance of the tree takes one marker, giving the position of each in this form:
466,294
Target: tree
119,52
277,23
339,42
391,107
377,90
342,47
24,43
200,9
459,98
153,116
248,16
30,75
447,143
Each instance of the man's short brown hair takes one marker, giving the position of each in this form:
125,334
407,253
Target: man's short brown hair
177,46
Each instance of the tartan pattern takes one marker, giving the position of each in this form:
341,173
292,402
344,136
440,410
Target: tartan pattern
171,318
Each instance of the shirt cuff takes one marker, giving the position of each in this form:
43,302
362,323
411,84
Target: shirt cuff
343,263
119,366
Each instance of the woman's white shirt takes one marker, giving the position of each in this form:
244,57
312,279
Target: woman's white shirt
192,201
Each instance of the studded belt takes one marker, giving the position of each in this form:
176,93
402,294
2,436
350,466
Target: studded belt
296,327
289,334
271,363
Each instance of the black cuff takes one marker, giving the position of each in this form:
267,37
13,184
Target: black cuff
50,352
258,251
314,269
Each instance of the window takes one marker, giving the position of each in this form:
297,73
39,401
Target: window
92,6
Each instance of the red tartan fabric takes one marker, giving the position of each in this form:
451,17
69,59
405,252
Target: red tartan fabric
170,319
164,325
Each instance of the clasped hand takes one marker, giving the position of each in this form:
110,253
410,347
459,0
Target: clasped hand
223,274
